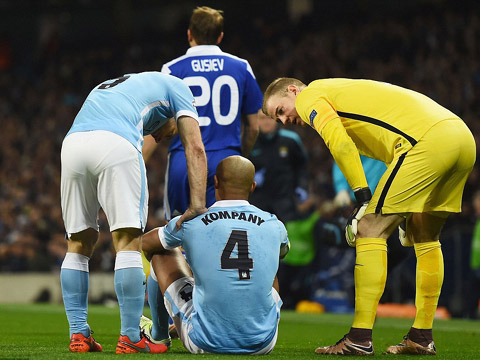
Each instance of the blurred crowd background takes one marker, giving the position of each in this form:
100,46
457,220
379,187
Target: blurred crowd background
53,52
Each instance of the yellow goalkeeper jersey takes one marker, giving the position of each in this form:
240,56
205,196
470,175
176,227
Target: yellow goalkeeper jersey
375,119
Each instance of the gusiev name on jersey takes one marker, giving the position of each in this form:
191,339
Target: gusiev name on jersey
207,65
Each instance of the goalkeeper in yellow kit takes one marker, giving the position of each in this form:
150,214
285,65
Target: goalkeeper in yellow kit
429,152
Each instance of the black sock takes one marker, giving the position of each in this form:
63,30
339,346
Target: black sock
421,336
360,336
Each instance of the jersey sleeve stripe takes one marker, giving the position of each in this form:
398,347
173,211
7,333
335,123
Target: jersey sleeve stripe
149,107
186,113
385,189
161,236
377,122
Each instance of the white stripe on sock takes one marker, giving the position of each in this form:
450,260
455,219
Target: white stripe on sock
128,259
152,273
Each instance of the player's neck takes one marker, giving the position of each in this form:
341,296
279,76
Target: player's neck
232,196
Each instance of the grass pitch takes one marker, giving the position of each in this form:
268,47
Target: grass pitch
41,332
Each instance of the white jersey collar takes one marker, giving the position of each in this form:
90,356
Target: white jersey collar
230,203
204,50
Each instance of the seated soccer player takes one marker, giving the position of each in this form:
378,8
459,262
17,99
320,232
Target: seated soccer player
221,297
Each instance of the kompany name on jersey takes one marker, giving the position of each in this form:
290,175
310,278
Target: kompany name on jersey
207,65
221,215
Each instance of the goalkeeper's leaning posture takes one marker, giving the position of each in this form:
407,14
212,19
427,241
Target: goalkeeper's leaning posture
429,152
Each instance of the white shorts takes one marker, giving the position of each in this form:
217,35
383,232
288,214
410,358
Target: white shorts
101,169
179,304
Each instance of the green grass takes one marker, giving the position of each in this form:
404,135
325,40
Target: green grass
41,332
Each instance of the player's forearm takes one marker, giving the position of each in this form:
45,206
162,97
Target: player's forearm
191,138
345,153
197,175
250,134
248,140
149,146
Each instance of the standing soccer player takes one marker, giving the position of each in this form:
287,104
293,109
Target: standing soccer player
102,166
229,305
225,89
430,153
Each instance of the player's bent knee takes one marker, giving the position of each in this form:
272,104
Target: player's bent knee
425,227
169,266
378,225
151,241
171,260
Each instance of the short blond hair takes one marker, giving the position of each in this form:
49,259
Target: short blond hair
206,25
279,86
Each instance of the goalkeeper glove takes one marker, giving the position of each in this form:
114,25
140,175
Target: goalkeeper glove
363,196
402,234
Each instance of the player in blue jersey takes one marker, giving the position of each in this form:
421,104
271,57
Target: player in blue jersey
225,88
228,305
102,166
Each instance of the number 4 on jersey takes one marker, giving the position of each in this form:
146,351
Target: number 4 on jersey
242,262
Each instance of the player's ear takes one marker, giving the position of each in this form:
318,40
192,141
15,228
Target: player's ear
189,36
215,181
254,185
220,38
292,89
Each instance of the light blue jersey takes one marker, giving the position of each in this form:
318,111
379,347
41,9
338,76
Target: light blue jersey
224,87
135,105
233,251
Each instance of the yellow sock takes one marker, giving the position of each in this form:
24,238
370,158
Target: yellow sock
370,276
429,282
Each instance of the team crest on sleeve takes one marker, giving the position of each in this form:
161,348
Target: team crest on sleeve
312,117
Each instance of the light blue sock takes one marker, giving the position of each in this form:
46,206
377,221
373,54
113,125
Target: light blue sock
74,284
157,308
130,289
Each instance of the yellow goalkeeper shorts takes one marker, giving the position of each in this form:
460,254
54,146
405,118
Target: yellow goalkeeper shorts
431,176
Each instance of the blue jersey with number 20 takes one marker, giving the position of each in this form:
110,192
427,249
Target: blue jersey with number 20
224,88
233,251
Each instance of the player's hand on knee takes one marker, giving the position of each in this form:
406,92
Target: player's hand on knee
363,196
352,224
